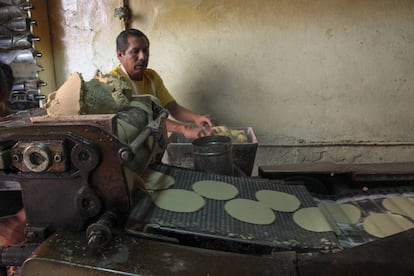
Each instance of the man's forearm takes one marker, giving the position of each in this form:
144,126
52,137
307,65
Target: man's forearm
174,126
181,113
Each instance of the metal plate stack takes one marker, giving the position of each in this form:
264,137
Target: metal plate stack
17,50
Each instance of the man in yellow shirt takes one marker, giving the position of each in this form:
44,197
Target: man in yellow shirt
132,47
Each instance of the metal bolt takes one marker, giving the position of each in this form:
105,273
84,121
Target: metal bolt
31,236
57,157
17,157
125,154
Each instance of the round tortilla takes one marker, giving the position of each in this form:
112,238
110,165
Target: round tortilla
383,225
215,189
312,219
278,201
341,213
250,211
154,180
178,200
400,205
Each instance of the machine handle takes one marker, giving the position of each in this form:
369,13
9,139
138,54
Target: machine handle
152,128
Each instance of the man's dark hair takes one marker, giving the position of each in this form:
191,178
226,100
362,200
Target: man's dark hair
122,39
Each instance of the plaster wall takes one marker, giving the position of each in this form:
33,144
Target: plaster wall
83,36
293,70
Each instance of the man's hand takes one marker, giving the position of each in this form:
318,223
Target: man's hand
205,121
12,229
194,132
202,125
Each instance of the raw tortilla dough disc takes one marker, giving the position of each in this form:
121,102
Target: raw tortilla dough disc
278,201
341,213
312,219
157,181
178,200
215,189
250,211
400,205
383,225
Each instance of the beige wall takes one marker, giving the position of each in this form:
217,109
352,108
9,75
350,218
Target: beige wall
319,71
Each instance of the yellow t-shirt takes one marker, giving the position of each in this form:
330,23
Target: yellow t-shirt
151,81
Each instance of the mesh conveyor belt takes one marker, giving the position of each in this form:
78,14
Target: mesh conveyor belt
212,219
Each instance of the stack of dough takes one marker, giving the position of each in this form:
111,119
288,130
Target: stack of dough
236,136
105,94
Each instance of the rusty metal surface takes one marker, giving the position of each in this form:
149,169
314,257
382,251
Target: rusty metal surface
107,177
91,180
67,254
358,171
387,256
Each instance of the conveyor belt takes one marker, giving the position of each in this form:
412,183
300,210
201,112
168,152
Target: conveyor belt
369,202
213,223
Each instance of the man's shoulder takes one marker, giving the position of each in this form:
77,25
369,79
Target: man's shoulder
116,71
151,73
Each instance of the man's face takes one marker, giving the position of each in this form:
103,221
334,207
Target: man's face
135,58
